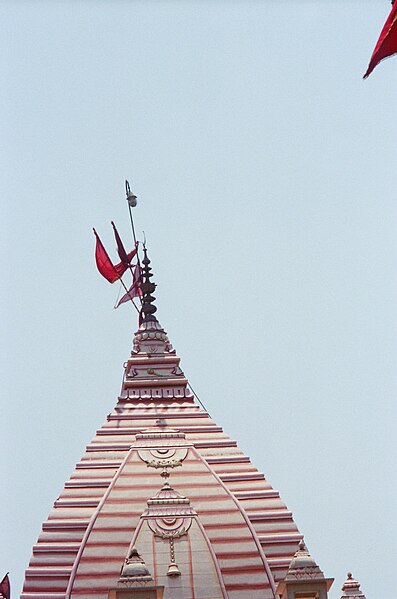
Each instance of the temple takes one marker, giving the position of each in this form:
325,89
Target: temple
164,505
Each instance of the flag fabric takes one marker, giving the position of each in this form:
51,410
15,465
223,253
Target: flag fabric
387,42
137,280
136,288
124,257
5,589
111,272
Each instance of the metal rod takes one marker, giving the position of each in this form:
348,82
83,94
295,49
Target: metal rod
132,223
131,197
131,299
137,253
131,200
198,399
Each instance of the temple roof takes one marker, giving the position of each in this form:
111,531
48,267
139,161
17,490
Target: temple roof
351,588
303,566
163,492
303,571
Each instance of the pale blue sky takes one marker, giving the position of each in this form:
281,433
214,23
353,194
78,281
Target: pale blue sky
265,170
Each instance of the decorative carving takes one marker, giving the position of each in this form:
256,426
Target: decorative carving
156,393
169,516
151,338
135,580
153,372
164,457
173,569
134,571
177,371
164,464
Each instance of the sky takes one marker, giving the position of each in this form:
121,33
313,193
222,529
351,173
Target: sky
265,170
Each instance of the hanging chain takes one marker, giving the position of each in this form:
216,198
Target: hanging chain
172,550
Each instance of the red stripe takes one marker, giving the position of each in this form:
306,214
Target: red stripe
107,544
214,541
112,529
175,474
197,498
154,487
242,569
240,555
87,559
272,531
99,575
227,526
129,515
247,586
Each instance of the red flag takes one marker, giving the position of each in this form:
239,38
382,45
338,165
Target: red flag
5,589
135,290
124,257
111,272
387,42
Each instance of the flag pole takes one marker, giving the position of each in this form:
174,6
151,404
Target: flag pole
124,256
131,199
132,300
132,202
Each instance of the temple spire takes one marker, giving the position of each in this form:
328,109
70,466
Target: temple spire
148,288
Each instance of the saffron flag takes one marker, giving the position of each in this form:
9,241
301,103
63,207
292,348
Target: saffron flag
124,257
5,589
387,42
136,288
111,272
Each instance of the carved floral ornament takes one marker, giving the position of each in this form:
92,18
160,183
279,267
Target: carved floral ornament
155,373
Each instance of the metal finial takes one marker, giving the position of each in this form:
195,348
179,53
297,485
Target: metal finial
131,198
148,307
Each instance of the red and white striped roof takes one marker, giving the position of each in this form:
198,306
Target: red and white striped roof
351,588
237,539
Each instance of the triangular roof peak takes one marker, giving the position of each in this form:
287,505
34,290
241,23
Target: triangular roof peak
351,588
303,566
304,575
219,530
134,570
